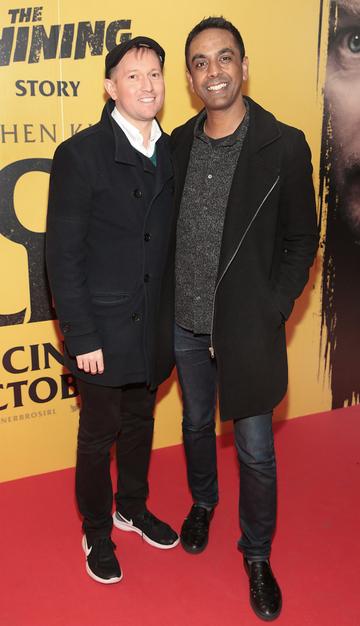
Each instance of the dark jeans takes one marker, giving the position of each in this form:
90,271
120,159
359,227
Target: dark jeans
121,415
253,440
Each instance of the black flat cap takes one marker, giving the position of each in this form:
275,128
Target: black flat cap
116,54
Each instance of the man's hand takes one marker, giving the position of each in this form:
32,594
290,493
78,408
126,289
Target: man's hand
92,362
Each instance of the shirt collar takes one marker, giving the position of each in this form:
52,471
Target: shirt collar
238,134
134,136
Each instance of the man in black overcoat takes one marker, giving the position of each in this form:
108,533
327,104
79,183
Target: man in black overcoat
109,222
246,238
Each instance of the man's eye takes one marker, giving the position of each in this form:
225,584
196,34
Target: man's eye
353,41
346,43
200,64
225,59
155,74
132,76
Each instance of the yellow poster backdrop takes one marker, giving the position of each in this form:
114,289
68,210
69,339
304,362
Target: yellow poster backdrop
51,71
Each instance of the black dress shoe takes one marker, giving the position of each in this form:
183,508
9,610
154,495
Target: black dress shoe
265,594
195,529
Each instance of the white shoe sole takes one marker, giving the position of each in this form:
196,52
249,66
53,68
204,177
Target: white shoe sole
104,581
132,529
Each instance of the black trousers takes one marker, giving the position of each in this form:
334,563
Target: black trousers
121,415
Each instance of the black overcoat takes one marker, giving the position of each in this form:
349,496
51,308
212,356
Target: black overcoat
269,241
107,245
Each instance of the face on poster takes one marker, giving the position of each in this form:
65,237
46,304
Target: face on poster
340,173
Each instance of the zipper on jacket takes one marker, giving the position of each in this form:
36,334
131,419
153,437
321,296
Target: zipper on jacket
211,348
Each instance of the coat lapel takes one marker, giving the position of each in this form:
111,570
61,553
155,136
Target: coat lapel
164,171
123,153
255,174
181,158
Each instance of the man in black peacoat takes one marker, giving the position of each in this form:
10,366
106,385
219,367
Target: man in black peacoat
246,238
109,219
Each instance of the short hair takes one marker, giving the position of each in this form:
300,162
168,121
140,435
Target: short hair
214,22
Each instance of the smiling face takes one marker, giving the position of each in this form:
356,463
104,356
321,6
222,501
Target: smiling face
342,98
216,71
137,86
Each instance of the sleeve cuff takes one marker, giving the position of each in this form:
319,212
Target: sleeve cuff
82,344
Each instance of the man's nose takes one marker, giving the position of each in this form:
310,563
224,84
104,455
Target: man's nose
213,67
147,83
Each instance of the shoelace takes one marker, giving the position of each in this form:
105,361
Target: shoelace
262,583
105,547
198,519
149,519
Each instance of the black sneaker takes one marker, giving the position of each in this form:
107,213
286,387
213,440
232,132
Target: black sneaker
265,594
152,530
195,529
101,562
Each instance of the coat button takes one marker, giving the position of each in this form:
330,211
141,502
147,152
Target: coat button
147,236
146,278
136,317
137,193
66,327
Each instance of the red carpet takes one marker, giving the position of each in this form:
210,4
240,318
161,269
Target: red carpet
316,552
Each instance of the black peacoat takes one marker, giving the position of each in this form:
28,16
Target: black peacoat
107,245
269,242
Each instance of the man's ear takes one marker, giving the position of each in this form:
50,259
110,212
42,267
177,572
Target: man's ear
110,88
245,68
190,81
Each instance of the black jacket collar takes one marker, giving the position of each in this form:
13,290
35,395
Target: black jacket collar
264,128
124,152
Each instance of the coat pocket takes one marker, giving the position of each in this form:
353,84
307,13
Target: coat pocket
108,304
273,308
